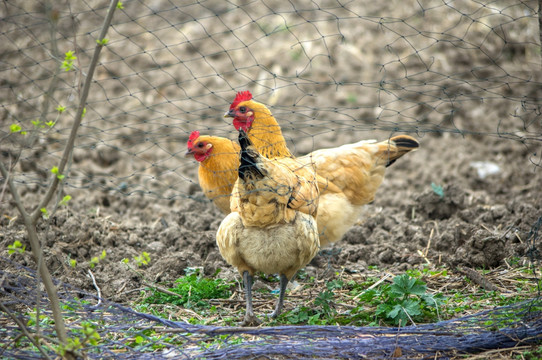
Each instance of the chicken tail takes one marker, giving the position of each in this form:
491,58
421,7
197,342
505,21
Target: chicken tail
250,159
399,146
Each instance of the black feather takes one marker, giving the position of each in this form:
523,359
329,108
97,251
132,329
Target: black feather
249,159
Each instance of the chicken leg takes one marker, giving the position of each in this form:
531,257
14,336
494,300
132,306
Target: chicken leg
283,283
250,318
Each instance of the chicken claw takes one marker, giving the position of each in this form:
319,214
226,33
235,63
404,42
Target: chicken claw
250,319
283,283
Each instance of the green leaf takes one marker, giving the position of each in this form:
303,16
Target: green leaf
60,108
120,5
403,312
54,170
368,295
412,307
404,285
15,128
69,55
17,246
67,64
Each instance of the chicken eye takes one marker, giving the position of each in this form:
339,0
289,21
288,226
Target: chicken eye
243,109
200,145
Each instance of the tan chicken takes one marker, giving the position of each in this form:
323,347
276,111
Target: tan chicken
349,175
218,159
272,226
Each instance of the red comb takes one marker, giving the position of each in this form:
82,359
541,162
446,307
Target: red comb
241,96
193,136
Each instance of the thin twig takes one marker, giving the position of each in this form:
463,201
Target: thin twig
30,220
96,287
478,278
161,289
79,114
540,27
49,94
25,331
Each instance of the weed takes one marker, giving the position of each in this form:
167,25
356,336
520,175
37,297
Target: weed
96,259
191,292
405,300
17,246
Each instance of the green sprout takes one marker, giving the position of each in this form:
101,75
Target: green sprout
54,170
67,64
65,200
17,246
143,259
15,128
45,213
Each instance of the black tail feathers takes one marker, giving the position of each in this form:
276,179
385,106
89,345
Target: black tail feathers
406,142
249,158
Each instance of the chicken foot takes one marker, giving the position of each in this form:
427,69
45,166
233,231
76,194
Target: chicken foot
283,283
250,319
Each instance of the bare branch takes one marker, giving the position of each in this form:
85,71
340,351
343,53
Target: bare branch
24,330
79,115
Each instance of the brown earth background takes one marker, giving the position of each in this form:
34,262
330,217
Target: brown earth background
463,78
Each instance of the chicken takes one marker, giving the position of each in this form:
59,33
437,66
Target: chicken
218,163
272,226
351,173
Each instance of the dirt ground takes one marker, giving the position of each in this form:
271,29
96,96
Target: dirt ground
133,191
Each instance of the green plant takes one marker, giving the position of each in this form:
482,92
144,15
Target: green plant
191,291
405,300
17,246
16,128
42,319
143,259
535,353
324,311
67,64
96,259
89,336
54,170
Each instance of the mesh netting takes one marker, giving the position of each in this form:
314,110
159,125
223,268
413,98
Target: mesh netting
324,69
330,71
120,327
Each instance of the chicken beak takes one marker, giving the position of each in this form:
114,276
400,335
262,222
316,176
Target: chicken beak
189,153
230,113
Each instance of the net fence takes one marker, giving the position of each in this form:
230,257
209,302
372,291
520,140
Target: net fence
127,334
330,71
324,69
